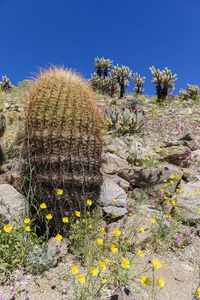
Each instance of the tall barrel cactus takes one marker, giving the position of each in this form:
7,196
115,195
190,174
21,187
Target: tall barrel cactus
63,142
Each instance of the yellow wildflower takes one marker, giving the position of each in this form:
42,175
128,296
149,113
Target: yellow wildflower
145,280
81,278
27,220
100,241
117,232
139,253
104,281
77,213
49,217
58,237
94,271
142,229
65,220
43,205
192,195
102,265
74,270
102,229
161,282
59,192
90,226
114,249
107,260
125,263
27,228
147,245
156,264
198,291
153,220
89,202
197,191
114,200
173,202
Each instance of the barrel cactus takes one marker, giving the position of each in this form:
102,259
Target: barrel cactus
63,142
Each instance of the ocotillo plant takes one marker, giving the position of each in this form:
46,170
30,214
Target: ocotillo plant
63,142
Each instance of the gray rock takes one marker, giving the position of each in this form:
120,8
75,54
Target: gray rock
109,191
119,144
144,177
187,204
136,145
123,293
15,203
113,163
110,148
115,212
119,181
124,154
176,155
6,105
186,137
196,154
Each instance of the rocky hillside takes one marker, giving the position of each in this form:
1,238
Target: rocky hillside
148,209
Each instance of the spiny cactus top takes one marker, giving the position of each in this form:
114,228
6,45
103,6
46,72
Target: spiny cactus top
61,105
63,139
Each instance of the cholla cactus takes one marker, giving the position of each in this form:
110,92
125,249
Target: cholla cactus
102,79
6,85
96,81
110,86
122,76
164,80
183,94
139,82
2,123
102,66
192,92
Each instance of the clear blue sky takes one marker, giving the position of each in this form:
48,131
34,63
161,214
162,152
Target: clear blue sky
138,34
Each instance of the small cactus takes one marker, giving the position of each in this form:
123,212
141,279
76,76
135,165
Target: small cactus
122,75
6,85
192,92
2,123
63,139
125,116
165,81
139,82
